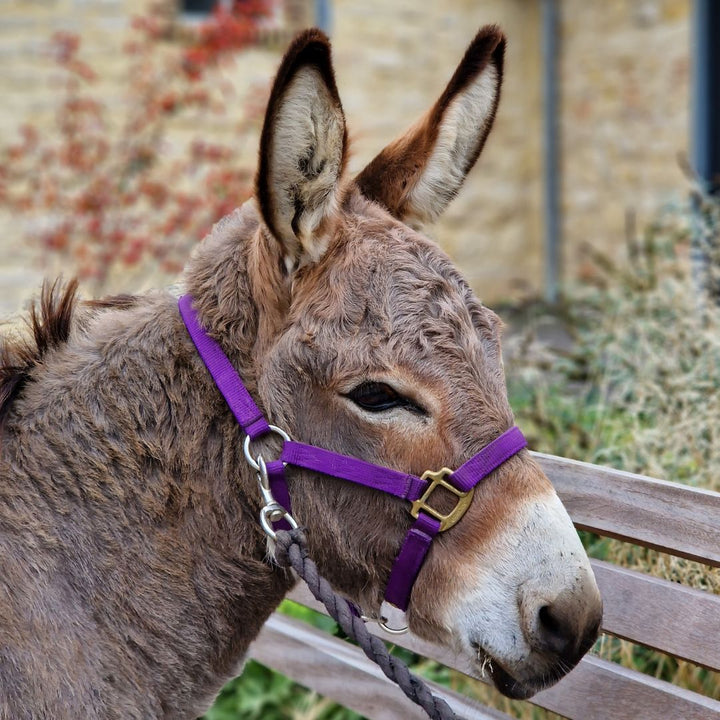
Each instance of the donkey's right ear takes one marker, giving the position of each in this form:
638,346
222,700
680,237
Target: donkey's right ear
417,175
302,150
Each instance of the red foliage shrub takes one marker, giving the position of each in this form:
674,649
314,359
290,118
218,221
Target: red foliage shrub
106,192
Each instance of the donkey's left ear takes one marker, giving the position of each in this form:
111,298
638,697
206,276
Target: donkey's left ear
417,175
302,150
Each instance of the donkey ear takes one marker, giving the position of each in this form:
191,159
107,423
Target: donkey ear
302,150
417,175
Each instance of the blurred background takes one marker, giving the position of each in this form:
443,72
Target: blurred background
591,139
128,127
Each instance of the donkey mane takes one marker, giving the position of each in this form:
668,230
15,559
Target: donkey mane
49,322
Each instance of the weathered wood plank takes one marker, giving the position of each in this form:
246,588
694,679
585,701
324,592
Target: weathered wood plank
663,615
673,518
600,690
341,671
594,690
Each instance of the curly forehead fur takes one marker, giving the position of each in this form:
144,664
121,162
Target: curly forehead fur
396,286
386,297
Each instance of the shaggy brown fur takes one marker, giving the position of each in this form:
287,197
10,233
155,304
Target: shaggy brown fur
133,570
50,327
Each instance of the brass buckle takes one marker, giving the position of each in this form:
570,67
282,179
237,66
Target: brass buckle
438,479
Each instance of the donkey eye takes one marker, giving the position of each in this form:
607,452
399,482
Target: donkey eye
377,396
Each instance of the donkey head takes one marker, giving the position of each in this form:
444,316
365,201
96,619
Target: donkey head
372,344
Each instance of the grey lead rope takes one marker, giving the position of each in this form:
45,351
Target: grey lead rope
291,546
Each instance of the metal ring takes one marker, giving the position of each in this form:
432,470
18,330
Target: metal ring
246,445
391,613
272,513
392,631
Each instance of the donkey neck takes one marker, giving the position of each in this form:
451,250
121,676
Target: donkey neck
239,290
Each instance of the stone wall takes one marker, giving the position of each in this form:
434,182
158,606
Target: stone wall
393,60
625,118
624,114
31,87
624,110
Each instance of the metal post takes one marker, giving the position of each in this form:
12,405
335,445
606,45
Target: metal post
706,94
551,150
705,152
323,15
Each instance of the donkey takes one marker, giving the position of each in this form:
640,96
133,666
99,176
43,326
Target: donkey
133,570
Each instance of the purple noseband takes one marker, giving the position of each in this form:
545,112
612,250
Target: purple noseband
417,490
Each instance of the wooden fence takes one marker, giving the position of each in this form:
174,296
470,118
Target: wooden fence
662,615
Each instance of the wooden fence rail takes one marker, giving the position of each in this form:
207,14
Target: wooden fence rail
662,615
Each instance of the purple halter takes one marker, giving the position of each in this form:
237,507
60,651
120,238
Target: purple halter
428,521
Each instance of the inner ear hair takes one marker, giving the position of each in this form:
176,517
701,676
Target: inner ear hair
302,150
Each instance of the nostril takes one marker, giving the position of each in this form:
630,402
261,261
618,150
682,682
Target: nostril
550,623
561,623
556,634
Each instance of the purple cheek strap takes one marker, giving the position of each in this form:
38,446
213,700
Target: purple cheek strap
418,491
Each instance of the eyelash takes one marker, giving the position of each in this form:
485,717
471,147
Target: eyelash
379,397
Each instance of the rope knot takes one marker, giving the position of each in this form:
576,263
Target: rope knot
284,540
